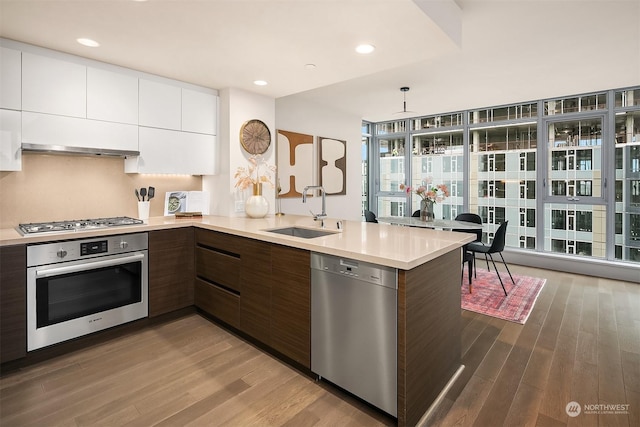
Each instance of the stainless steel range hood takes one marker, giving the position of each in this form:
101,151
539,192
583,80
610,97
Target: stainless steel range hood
80,151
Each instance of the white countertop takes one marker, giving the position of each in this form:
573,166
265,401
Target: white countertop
384,244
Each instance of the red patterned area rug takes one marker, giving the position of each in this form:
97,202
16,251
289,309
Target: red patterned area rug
489,299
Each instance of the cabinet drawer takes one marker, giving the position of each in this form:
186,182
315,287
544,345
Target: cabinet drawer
218,267
218,302
222,241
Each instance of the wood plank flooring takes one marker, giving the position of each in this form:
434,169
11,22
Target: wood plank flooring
581,343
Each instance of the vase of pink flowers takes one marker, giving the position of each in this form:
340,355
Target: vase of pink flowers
429,195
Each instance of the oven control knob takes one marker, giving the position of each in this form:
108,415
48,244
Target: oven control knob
123,245
61,253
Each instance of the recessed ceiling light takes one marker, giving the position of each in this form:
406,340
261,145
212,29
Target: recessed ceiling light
309,66
88,42
365,48
260,83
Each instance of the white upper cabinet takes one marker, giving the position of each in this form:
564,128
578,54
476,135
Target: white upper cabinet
160,105
111,96
69,101
53,86
174,152
10,140
50,129
10,79
166,106
199,111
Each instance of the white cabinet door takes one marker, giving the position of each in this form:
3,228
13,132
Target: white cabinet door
199,112
201,149
112,96
10,78
53,86
10,141
160,105
173,152
47,129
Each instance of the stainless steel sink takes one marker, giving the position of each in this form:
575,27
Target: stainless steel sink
305,233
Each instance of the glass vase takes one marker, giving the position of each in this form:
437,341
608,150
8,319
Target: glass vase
256,206
426,210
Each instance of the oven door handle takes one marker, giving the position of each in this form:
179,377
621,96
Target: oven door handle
89,266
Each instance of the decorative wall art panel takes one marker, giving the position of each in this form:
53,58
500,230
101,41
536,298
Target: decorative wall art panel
294,154
332,165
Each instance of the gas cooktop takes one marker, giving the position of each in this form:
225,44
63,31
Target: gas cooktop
77,225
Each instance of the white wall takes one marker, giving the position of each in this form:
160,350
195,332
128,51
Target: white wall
236,107
298,115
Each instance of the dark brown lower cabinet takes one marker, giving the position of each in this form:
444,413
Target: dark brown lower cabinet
291,303
271,301
13,302
171,270
255,296
217,271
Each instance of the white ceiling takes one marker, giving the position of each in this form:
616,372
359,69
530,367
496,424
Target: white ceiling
505,49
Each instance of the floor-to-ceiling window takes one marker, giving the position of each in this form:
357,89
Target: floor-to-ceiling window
627,174
502,170
575,213
391,145
564,172
437,154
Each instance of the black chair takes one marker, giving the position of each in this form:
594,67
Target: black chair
497,246
468,257
471,217
416,214
370,216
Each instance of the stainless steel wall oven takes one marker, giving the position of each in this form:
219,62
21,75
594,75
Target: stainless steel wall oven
76,287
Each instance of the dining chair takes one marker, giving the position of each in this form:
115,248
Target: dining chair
369,216
469,257
497,246
471,217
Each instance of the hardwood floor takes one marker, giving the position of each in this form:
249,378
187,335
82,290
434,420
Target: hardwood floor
186,372
581,343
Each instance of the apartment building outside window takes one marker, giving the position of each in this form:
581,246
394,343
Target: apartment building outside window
552,168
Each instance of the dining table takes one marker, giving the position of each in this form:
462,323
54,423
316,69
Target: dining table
441,224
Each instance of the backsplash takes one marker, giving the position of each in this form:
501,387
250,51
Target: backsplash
60,187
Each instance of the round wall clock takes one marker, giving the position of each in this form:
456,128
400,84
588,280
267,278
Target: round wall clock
255,137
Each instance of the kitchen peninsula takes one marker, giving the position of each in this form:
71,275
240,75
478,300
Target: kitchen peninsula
428,263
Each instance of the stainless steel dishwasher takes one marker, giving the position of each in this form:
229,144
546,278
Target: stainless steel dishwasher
354,327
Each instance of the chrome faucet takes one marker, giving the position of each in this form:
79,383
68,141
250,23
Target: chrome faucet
320,216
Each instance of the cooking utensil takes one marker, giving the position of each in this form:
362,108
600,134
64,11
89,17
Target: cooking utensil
143,192
151,193
137,195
